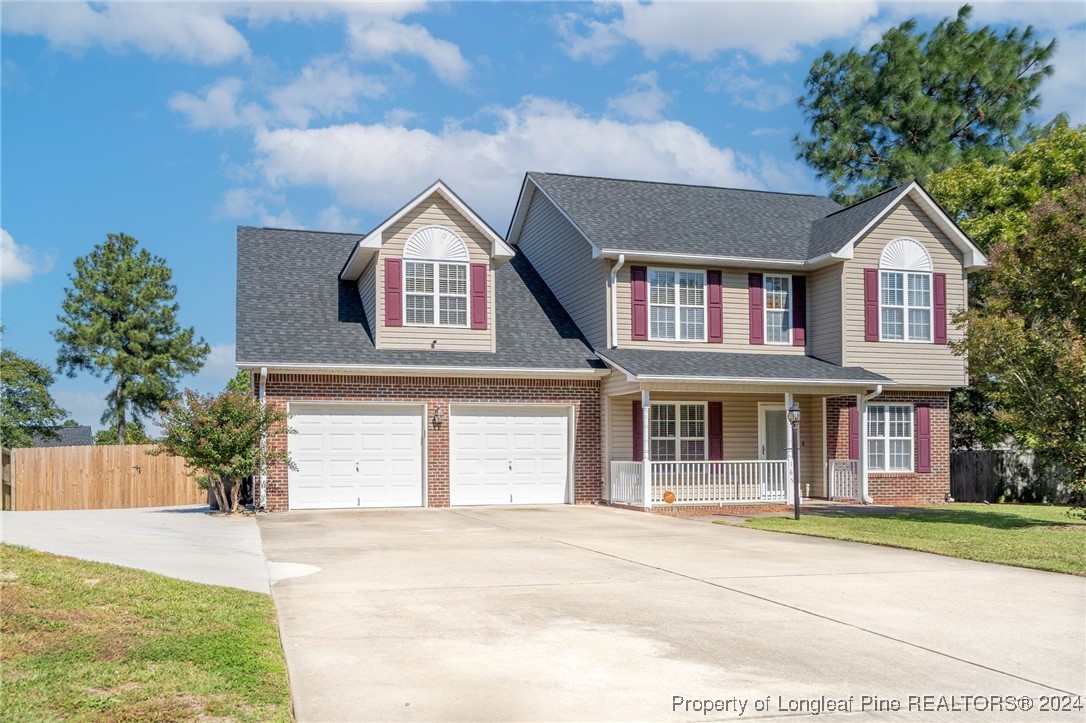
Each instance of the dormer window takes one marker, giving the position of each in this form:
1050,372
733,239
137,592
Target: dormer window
905,298
435,279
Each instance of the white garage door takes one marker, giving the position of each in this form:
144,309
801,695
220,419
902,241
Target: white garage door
355,456
508,455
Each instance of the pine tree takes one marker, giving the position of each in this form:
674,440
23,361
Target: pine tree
120,322
917,103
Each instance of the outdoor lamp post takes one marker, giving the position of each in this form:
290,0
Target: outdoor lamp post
793,420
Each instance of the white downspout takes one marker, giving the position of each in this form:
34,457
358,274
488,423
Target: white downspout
263,443
614,300
863,443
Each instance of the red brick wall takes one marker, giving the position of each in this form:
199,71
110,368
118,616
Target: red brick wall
437,393
899,488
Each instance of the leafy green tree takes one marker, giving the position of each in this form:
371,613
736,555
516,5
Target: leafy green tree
917,103
992,204
1027,344
120,322
219,437
134,432
27,409
242,383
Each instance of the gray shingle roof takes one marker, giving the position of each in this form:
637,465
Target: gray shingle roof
829,234
67,437
677,218
725,365
293,309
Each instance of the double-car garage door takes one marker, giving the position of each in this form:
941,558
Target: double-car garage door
373,455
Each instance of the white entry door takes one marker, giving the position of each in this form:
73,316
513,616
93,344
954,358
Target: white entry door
772,432
355,456
508,455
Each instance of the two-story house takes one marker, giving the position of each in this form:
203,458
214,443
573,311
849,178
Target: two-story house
626,339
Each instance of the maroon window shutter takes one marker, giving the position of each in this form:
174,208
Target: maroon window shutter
923,438
478,296
871,304
393,292
853,431
799,311
938,282
638,440
716,430
715,295
639,303
756,304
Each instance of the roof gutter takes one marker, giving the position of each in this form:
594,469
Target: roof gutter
428,371
614,299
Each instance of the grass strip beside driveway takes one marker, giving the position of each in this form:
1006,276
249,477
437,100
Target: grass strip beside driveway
88,641
1044,537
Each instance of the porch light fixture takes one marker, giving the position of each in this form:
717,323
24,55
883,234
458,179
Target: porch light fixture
439,417
793,420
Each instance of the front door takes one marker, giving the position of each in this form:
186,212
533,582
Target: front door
772,432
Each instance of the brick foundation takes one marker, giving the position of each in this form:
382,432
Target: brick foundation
899,488
439,393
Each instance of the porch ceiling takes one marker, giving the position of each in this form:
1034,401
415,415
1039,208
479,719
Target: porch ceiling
650,365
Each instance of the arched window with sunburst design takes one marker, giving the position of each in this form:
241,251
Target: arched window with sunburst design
905,293
435,278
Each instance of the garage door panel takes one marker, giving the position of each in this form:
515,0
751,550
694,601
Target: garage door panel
504,455
356,456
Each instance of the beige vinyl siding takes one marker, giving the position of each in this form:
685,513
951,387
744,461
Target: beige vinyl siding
740,426
824,314
913,363
367,289
434,211
564,260
736,318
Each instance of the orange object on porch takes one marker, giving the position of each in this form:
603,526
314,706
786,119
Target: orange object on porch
669,496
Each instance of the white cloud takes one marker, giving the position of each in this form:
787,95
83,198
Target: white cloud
1065,90
702,30
19,263
644,100
333,219
218,106
83,407
381,39
195,32
218,369
374,167
748,91
327,88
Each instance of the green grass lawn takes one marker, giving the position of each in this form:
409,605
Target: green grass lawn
87,641
1039,536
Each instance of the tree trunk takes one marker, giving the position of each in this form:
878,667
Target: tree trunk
120,412
220,494
235,494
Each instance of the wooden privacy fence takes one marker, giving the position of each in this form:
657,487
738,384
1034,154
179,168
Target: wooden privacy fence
99,477
1001,475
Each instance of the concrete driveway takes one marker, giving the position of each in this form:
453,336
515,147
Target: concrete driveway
181,542
586,613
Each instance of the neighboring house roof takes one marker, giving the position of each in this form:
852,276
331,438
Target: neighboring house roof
66,437
707,223
294,311
648,364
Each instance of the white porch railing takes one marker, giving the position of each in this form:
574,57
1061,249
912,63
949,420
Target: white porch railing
729,482
626,483
844,479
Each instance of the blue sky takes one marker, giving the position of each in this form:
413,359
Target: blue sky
176,122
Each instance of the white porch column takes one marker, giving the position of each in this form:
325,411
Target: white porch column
789,493
861,415
646,467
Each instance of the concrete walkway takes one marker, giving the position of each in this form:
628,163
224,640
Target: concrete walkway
181,542
582,613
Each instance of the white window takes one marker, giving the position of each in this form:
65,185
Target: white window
778,309
905,299
444,303
677,432
890,437
677,305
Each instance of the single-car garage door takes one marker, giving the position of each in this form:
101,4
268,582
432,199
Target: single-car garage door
508,455
355,456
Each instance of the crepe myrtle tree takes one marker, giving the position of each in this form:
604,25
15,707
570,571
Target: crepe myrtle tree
219,436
